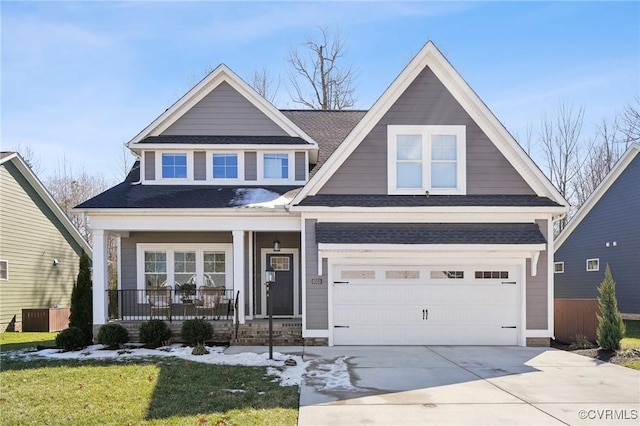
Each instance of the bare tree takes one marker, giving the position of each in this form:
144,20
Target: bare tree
318,79
70,188
263,84
631,121
561,145
126,162
30,157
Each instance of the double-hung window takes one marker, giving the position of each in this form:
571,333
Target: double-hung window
426,158
276,166
225,166
174,166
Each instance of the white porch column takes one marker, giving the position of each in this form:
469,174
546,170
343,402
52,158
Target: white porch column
238,272
100,276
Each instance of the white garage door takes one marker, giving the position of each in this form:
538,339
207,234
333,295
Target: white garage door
444,305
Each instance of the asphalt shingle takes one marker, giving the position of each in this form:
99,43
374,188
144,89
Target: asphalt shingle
383,200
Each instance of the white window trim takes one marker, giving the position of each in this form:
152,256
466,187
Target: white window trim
598,266
170,249
393,131
210,178
158,165
7,262
291,169
561,271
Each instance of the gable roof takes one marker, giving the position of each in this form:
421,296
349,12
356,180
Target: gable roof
32,179
430,56
601,189
220,74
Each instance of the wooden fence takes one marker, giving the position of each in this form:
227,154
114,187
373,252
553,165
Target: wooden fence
575,317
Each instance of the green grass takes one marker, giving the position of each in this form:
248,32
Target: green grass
631,364
160,391
10,341
632,335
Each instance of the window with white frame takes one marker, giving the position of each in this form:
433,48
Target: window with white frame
426,158
174,166
225,166
275,166
593,265
558,268
4,270
179,264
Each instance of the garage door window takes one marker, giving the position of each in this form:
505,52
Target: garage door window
358,275
402,275
447,275
492,275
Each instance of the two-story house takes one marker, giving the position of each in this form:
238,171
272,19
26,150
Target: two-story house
419,221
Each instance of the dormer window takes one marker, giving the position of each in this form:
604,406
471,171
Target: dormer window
174,166
225,166
426,158
276,166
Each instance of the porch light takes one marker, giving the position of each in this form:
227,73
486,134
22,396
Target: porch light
276,244
269,274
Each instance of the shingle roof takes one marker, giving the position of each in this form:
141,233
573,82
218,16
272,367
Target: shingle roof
327,128
428,233
129,195
339,200
225,140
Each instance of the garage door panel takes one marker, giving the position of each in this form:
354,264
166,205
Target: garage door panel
375,310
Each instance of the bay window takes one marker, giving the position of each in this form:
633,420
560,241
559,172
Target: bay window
426,158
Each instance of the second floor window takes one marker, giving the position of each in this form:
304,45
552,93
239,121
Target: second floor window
174,166
276,166
225,166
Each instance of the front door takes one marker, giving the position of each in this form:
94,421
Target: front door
282,290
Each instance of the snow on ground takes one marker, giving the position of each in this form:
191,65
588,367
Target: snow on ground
323,374
288,376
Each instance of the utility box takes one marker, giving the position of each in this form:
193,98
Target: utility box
45,320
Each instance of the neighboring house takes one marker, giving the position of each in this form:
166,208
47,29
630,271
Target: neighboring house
605,231
420,221
39,247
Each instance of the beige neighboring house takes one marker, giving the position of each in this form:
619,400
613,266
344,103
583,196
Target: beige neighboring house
39,247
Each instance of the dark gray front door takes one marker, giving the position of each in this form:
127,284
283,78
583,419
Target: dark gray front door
282,290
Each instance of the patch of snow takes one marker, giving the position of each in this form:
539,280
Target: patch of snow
260,197
288,376
235,390
333,376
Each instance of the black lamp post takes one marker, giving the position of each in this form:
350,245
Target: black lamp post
270,279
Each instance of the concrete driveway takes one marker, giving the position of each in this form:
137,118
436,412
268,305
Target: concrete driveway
412,385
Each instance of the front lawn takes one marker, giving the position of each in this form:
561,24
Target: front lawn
631,338
10,341
131,391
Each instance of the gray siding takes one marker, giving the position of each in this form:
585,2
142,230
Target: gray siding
31,237
301,166
317,295
224,112
615,217
149,165
200,165
537,288
250,166
426,102
128,248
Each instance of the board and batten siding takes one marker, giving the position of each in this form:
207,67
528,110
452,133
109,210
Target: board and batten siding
224,112
149,165
426,102
614,218
31,237
129,271
537,288
199,165
317,295
251,165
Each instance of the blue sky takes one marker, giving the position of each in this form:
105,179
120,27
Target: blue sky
79,79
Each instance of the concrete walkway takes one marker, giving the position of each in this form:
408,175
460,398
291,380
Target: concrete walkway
417,385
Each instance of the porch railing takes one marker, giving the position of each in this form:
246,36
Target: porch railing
168,304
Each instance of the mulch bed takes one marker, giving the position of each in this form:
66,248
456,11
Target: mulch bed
601,354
